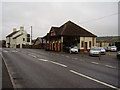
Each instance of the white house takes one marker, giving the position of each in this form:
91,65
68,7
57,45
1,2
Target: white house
18,38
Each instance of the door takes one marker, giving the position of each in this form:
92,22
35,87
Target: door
85,47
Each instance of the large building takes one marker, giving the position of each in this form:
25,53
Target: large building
18,38
70,34
108,41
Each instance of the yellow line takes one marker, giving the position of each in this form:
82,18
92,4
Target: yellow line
94,79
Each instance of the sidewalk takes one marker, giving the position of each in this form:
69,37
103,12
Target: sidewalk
6,82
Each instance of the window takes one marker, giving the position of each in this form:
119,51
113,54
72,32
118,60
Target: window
82,43
89,43
28,39
28,35
23,39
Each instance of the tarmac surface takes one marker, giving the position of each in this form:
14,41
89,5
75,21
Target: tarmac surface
33,68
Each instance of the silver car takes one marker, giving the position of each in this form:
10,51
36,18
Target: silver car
95,51
113,48
74,49
102,51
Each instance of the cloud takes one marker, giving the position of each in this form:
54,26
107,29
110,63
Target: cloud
43,15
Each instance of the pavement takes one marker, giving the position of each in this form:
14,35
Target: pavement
5,81
36,68
0,72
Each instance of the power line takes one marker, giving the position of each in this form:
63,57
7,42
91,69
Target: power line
99,18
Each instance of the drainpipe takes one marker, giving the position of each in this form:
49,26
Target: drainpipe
61,43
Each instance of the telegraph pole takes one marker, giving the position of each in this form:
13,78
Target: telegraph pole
31,35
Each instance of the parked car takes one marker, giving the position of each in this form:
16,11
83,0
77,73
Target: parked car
118,55
109,48
106,48
102,51
113,48
95,51
73,49
66,48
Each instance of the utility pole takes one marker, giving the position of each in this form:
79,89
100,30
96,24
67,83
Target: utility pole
31,35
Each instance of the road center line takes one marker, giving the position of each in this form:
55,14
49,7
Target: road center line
93,79
5,51
75,58
94,62
58,63
43,60
67,56
14,51
110,66
32,55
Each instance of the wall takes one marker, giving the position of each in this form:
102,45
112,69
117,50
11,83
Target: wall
102,44
87,39
18,40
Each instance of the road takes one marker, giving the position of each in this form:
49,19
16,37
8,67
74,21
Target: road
36,68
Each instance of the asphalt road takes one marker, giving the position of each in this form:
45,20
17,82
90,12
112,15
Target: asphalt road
33,68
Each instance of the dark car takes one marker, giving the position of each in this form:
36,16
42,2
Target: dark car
118,55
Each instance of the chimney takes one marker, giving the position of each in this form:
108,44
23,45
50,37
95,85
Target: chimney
14,29
22,28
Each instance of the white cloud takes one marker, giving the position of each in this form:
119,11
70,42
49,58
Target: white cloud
43,15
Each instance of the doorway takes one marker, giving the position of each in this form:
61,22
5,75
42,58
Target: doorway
85,47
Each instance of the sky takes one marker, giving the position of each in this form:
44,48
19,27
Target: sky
100,18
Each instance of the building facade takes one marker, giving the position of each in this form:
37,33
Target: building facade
18,38
70,34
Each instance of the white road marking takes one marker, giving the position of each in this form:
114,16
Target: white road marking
14,51
110,66
94,62
106,84
58,63
75,58
43,60
5,51
32,55
67,56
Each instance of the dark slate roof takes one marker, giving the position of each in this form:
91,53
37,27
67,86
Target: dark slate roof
108,38
40,39
11,34
72,29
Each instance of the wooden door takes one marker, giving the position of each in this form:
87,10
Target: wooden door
85,47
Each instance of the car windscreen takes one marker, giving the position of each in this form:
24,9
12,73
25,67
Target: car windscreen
95,48
113,46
